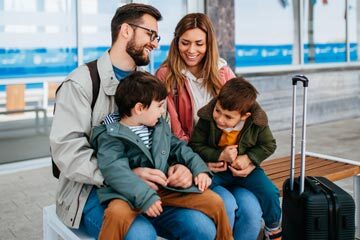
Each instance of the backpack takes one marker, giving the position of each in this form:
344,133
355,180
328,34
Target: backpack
95,79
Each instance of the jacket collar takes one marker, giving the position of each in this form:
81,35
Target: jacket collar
258,115
117,129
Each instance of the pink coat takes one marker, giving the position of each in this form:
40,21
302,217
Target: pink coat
181,116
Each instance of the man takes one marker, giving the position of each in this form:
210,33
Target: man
134,32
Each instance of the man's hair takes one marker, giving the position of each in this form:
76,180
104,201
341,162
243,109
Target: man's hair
138,87
237,95
131,13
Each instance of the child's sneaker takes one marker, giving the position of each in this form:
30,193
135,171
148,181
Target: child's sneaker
273,234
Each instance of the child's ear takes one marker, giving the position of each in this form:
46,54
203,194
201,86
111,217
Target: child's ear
138,108
245,116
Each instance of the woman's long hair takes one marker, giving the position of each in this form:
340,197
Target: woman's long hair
175,63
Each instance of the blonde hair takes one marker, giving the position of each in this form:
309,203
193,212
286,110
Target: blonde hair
175,63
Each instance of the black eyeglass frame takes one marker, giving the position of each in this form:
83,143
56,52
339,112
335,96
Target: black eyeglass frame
154,35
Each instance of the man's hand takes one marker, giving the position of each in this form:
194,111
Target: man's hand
155,209
242,173
241,162
228,154
152,177
179,176
217,166
203,181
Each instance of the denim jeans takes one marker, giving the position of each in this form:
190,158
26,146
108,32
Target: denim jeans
248,217
261,186
173,223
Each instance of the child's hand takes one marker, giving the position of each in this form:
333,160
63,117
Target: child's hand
217,166
241,162
203,181
155,209
228,154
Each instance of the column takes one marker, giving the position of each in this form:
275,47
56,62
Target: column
222,15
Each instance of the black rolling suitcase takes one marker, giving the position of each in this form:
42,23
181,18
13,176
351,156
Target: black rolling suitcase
314,207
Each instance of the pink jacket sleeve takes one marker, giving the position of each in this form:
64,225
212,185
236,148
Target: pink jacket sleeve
226,74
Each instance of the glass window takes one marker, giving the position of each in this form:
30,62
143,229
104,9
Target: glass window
354,34
95,35
324,31
37,38
264,33
166,27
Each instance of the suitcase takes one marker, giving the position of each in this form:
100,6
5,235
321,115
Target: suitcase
313,207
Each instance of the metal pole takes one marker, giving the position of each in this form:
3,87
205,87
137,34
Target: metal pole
292,154
79,45
303,144
333,158
347,31
357,203
301,30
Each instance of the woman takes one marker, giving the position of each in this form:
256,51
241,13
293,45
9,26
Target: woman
194,73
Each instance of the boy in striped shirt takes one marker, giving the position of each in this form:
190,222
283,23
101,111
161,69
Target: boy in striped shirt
142,138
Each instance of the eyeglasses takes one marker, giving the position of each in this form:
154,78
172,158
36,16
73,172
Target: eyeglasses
153,34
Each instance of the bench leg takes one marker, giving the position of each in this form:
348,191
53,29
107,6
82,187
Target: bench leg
357,205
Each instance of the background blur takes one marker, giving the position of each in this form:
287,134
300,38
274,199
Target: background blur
267,41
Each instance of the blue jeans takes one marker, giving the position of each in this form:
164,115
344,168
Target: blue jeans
261,186
248,217
173,223
243,210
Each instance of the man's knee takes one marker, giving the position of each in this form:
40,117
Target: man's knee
143,226
200,231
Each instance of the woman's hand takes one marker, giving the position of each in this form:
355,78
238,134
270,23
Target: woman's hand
228,154
242,173
241,162
203,181
217,166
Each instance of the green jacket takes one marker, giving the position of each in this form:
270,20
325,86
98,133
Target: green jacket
119,150
256,139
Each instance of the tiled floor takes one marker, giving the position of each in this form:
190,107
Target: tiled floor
23,194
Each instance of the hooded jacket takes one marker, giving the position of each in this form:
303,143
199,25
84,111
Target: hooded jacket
119,150
255,139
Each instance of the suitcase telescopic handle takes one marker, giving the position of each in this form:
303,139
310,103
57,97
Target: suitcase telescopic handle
300,78
305,82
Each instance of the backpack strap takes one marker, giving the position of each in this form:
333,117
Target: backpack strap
95,78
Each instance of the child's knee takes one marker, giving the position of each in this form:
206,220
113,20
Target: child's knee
214,200
118,209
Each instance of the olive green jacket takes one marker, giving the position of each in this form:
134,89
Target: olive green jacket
119,150
255,140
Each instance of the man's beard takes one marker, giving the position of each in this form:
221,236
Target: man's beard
137,53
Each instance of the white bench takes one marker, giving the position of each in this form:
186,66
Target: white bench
54,228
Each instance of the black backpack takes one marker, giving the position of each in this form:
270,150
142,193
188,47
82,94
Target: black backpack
95,79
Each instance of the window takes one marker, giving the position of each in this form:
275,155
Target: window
95,33
264,33
31,46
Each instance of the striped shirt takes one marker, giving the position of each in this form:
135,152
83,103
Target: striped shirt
142,131
144,134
